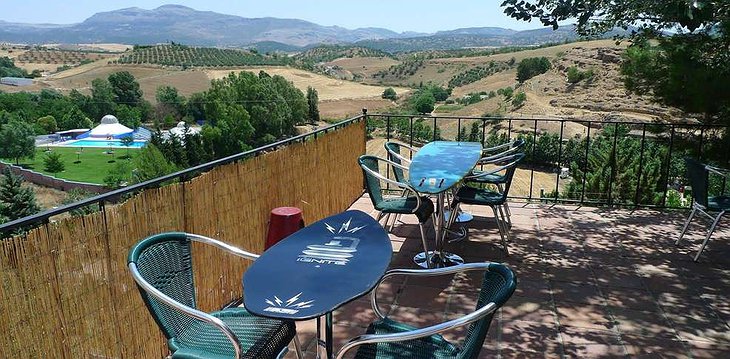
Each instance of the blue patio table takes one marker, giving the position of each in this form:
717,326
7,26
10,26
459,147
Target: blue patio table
436,168
316,270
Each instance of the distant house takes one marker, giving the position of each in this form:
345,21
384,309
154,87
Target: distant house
16,81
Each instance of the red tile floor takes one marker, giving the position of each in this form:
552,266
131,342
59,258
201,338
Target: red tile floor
592,283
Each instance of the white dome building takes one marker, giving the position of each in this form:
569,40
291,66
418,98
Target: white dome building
110,128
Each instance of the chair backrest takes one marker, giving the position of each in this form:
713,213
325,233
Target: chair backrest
512,161
164,261
394,147
372,184
498,285
697,174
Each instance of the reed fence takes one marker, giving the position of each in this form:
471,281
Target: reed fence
66,291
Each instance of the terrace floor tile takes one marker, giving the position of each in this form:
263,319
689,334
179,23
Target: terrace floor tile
592,283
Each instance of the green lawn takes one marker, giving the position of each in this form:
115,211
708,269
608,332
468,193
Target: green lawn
89,165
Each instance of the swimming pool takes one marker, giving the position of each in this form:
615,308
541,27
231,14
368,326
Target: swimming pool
101,143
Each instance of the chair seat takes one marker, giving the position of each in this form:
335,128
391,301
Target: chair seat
493,178
719,203
479,196
260,338
432,347
407,205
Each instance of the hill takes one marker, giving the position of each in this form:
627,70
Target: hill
185,25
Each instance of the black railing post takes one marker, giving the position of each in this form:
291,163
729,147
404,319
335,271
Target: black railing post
410,124
612,174
532,168
641,166
669,167
585,163
699,150
434,128
509,129
560,160
484,132
387,128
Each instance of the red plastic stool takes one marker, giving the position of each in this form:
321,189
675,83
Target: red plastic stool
283,222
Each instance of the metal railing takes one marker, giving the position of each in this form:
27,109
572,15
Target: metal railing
509,127
183,175
668,141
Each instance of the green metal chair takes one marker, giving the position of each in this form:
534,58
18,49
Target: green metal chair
421,206
488,197
494,155
162,267
389,339
396,154
698,174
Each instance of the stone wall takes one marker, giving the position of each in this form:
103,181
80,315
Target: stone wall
52,182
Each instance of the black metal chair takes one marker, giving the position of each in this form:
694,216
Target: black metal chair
698,174
409,202
389,339
162,267
488,197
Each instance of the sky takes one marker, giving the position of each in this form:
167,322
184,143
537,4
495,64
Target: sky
396,15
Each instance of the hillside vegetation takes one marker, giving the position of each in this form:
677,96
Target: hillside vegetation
189,56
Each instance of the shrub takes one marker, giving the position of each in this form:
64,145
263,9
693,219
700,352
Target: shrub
531,67
519,99
389,94
575,75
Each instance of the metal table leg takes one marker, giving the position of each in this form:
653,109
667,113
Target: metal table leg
324,337
439,257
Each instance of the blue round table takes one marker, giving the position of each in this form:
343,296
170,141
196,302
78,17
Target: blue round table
436,168
316,270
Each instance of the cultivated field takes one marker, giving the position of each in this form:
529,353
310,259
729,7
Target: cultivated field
340,109
363,66
327,88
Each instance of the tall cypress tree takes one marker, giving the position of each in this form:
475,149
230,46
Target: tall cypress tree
16,201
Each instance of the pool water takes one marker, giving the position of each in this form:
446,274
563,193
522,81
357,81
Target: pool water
102,143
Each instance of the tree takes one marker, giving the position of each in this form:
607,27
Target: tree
16,201
48,124
425,103
519,99
52,163
475,132
688,66
259,108
129,116
169,102
73,119
126,142
119,175
76,195
150,164
531,67
312,102
125,88
17,141
461,136
389,94
102,99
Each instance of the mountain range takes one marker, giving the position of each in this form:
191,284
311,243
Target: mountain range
188,26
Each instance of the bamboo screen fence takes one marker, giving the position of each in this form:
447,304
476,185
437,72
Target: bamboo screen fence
66,291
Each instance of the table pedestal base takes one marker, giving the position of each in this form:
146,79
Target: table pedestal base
438,260
463,217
